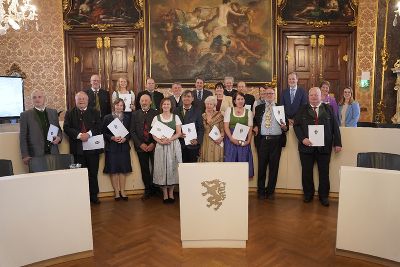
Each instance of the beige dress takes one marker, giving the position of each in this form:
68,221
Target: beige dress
209,151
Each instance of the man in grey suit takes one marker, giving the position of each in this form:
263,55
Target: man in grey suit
34,127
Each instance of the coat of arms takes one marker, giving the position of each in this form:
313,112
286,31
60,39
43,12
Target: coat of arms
216,191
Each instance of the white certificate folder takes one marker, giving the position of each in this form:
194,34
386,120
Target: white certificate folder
161,130
316,135
94,142
52,133
117,128
190,131
240,132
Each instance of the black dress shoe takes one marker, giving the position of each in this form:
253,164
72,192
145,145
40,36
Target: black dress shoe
146,196
124,198
261,196
270,196
171,200
324,202
307,199
166,201
95,201
117,198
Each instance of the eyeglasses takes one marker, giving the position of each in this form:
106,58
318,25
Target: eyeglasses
269,93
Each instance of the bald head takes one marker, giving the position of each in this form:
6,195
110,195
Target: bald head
314,96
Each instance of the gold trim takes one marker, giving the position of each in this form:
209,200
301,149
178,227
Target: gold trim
107,45
345,58
131,59
380,115
99,45
321,44
65,4
101,27
75,59
313,44
66,26
139,24
313,40
107,42
397,65
140,4
318,24
280,21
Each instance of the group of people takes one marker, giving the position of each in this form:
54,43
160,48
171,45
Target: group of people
224,110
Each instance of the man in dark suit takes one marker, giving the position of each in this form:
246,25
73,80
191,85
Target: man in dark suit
293,97
200,94
156,96
34,127
81,123
99,98
229,90
270,137
189,113
144,143
176,97
316,113
248,98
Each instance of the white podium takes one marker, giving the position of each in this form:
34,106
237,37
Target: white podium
214,204
45,217
369,215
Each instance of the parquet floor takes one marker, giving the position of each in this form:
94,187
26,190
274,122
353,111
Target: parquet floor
283,232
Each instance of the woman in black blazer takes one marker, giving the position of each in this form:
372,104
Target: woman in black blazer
117,150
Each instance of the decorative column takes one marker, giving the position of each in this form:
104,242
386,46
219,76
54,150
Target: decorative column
396,69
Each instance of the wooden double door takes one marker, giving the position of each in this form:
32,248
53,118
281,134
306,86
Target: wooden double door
318,56
111,56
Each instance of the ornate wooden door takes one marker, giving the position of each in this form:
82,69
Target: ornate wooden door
316,57
110,55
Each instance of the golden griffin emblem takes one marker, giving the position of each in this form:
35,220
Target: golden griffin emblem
216,191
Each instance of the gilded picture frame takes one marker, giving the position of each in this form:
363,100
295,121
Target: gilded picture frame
210,39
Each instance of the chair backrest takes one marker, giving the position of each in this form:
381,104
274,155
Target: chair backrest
50,163
6,168
378,160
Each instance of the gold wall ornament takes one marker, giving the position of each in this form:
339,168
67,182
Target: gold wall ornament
66,26
131,59
397,65
318,24
280,21
140,4
65,4
345,58
313,40
380,115
384,58
139,24
321,44
107,42
101,27
99,43
15,71
216,191
75,59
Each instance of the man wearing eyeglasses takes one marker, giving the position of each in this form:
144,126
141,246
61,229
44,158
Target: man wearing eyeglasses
99,99
270,137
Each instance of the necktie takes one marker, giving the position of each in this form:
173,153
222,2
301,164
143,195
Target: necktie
83,128
315,115
184,111
268,117
153,104
291,95
199,95
97,101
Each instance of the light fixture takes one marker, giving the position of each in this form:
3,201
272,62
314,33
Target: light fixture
16,14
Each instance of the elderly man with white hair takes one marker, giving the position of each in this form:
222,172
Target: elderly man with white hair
81,123
316,113
34,127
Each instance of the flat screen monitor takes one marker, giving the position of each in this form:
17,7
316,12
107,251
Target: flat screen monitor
11,97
